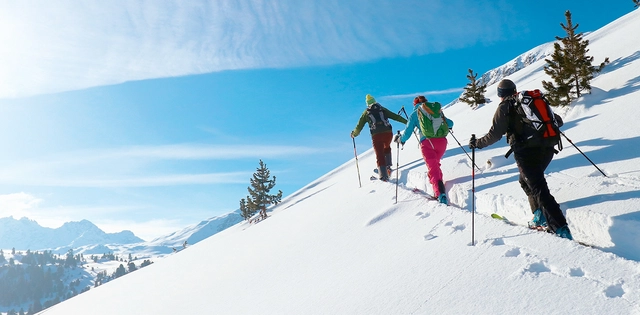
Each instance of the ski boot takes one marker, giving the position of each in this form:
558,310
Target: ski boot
387,158
442,198
564,232
539,222
383,173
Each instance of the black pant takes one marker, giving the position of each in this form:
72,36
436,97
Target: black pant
532,163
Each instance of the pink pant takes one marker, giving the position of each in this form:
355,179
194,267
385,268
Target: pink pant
432,151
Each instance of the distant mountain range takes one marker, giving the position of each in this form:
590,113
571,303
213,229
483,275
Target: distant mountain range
85,237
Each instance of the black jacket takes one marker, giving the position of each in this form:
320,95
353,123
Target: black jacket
506,121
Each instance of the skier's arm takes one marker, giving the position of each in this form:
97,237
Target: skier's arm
558,119
447,120
408,130
498,127
394,116
360,125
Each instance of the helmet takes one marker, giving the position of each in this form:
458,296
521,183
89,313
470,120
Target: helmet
506,88
419,99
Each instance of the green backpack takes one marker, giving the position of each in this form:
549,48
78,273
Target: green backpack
432,121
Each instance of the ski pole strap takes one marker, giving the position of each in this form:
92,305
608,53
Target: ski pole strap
506,156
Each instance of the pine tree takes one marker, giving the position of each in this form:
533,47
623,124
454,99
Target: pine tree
570,67
261,185
474,91
120,271
245,212
558,91
132,267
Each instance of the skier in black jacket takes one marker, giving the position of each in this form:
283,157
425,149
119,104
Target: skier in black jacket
532,160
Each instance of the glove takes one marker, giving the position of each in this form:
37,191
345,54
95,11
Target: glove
352,134
396,139
473,143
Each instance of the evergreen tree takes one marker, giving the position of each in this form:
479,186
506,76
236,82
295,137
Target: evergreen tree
36,307
474,91
245,212
570,67
259,197
120,271
132,267
70,260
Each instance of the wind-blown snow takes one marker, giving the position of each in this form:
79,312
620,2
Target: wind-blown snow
336,248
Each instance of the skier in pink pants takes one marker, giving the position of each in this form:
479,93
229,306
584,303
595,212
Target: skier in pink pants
434,127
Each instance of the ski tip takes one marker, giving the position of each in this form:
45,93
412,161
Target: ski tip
497,216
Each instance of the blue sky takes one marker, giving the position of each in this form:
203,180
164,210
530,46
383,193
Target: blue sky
149,117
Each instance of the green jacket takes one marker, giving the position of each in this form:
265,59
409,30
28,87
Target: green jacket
379,127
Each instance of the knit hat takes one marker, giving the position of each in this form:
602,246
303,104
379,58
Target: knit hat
370,100
419,99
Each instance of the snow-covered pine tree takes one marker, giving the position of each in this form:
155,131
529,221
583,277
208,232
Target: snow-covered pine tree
570,67
474,91
259,197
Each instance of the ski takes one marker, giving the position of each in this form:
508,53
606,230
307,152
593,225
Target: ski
501,218
535,228
424,194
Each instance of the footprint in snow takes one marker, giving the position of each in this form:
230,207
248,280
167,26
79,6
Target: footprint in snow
576,272
422,215
429,237
614,291
497,242
514,252
537,268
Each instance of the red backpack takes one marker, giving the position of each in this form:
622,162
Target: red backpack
540,127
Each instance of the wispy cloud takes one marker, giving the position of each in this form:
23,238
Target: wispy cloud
57,46
138,166
425,93
17,205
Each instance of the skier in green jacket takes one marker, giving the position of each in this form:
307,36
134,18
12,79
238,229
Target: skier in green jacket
377,117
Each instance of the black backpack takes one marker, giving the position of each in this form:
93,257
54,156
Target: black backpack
536,122
377,120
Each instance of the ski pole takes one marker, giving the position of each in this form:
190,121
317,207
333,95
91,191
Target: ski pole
594,164
407,117
397,164
473,190
356,154
465,151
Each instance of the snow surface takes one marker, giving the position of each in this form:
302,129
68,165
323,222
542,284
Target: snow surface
336,248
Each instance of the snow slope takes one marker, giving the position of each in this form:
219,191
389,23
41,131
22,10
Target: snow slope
336,248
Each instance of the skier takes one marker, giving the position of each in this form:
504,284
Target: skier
532,160
381,130
434,127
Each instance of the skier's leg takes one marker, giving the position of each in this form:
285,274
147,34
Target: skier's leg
531,164
432,151
378,148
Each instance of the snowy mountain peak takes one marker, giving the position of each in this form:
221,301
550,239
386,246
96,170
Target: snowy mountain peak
28,234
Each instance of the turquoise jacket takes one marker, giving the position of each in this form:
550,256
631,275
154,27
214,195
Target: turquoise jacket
414,123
